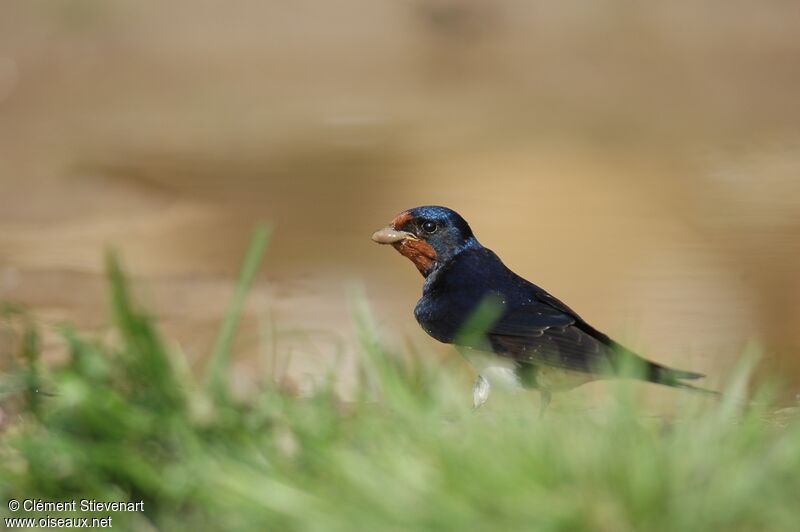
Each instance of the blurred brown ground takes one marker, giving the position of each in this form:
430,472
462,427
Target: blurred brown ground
640,161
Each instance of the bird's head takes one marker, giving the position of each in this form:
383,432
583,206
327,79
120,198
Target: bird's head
429,236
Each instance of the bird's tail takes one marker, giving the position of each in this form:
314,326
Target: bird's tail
658,373
633,364
674,377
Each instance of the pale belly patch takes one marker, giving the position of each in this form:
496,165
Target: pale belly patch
500,372
504,373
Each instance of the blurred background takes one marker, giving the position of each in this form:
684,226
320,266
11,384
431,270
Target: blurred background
639,161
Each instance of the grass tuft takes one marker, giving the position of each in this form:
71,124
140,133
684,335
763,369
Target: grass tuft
125,421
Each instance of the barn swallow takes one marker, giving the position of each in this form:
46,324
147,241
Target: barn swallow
533,340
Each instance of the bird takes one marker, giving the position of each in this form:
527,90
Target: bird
527,338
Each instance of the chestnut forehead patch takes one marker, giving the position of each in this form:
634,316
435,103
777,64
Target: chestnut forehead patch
402,219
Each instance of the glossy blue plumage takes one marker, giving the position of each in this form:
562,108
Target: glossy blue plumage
533,328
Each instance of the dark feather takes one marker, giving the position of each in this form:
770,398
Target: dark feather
530,326
533,327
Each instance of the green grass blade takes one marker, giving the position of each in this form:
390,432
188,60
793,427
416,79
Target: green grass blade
30,352
220,354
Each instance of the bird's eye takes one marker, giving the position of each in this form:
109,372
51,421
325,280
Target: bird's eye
429,227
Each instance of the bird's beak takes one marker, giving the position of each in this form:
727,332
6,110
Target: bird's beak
390,235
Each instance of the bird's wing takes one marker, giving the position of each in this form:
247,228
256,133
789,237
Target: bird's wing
541,334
